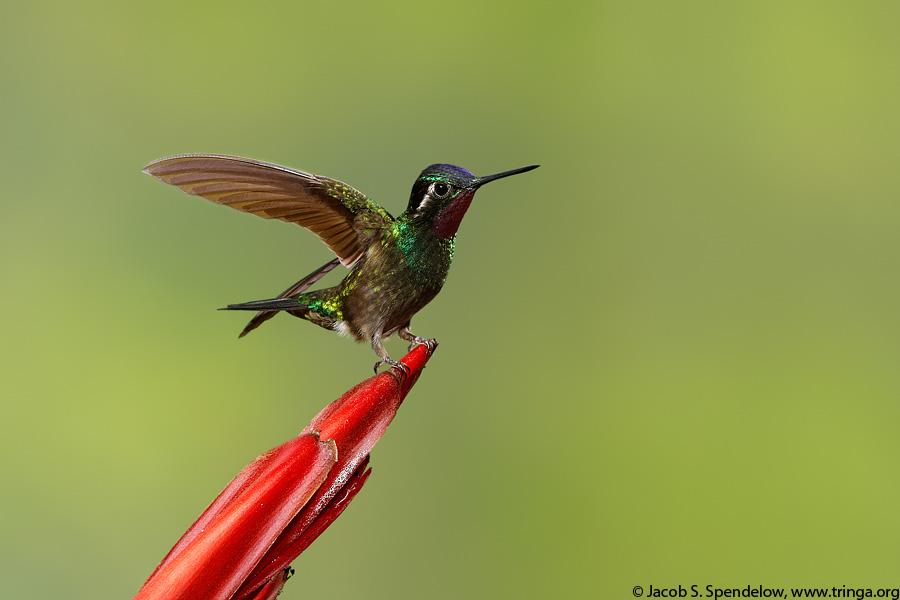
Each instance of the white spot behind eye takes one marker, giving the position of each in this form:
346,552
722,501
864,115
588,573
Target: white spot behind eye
431,195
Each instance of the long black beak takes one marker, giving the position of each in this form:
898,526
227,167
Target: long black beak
487,178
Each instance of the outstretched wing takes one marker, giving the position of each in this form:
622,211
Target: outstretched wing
343,217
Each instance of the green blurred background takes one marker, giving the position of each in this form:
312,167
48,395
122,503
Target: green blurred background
668,356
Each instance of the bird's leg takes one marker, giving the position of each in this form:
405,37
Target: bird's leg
409,336
385,359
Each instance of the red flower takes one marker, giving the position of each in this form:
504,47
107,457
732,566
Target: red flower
241,546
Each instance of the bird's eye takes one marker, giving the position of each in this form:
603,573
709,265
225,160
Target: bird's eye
440,190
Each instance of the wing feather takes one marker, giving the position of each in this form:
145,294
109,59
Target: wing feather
341,216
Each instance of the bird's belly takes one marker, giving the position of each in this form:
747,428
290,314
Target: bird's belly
384,308
392,283
388,301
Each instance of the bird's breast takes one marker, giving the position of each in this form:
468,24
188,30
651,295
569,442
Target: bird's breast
425,257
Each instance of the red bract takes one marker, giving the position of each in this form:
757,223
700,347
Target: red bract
241,546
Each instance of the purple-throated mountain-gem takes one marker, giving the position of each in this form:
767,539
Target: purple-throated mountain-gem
397,265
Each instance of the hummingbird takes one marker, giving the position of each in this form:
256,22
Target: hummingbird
397,265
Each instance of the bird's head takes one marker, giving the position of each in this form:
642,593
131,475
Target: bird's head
442,194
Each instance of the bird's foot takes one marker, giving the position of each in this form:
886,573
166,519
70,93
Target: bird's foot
429,343
399,369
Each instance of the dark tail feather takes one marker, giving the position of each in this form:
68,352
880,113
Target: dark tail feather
273,304
264,315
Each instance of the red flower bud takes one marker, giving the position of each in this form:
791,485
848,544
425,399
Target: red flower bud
242,544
